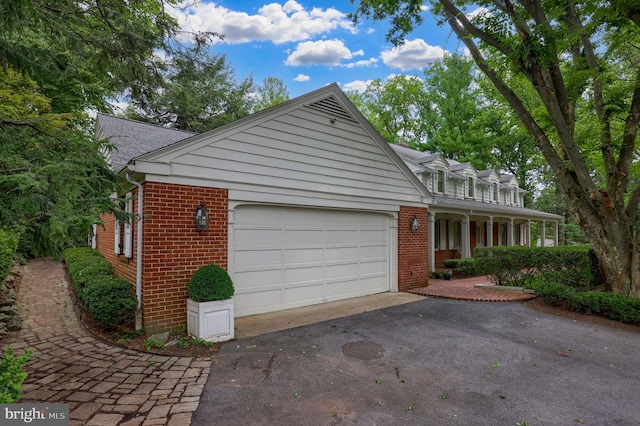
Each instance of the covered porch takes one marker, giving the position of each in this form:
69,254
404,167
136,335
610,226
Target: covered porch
455,230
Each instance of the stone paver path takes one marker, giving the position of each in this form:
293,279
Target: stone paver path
103,384
464,289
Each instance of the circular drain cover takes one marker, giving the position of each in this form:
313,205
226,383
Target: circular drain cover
363,350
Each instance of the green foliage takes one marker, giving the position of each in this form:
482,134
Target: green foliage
54,181
272,92
522,266
614,306
110,301
8,246
12,375
465,266
150,343
86,266
395,108
198,92
209,283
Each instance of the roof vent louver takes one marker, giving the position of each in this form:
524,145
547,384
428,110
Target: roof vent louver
331,106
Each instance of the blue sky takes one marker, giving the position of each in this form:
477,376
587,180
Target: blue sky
311,43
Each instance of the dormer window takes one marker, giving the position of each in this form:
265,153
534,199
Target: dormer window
515,195
495,191
470,188
440,181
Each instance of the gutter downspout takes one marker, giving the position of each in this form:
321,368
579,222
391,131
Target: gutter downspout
138,250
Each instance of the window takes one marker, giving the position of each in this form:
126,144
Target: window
515,195
436,231
455,228
495,192
441,181
123,233
470,189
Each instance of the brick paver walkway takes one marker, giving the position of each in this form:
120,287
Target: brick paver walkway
464,289
103,384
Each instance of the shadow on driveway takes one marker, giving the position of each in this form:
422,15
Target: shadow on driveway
430,362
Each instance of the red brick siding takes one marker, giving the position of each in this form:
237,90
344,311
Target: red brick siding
123,266
174,249
413,267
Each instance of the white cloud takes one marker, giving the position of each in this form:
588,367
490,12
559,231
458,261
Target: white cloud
356,86
481,12
274,22
414,54
321,52
302,77
371,62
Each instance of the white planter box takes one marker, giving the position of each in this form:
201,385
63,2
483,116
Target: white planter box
212,321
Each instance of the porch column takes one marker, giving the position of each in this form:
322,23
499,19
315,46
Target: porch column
466,233
542,236
510,233
431,220
555,233
490,232
528,235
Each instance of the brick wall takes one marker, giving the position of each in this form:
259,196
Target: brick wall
123,266
174,249
413,268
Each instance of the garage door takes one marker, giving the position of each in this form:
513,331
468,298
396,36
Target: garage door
286,257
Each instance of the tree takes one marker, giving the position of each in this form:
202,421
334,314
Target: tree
272,92
59,58
198,91
396,108
455,104
54,181
580,60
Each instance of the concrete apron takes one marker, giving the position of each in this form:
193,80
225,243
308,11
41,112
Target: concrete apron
254,325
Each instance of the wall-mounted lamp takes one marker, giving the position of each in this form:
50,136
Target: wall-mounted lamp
414,224
202,217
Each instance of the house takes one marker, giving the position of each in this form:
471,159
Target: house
472,208
306,203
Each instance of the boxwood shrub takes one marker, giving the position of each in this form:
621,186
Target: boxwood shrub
614,306
461,266
574,266
109,300
209,283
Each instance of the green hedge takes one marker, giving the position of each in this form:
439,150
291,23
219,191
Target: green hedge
573,266
614,306
464,266
109,300
8,247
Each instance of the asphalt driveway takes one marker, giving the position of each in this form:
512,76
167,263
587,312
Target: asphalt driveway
430,362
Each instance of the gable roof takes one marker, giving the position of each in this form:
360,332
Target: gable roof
131,138
316,142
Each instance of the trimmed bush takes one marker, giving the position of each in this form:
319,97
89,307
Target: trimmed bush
109,300
86,266
522,266
209,283
8,247
614,306
463,266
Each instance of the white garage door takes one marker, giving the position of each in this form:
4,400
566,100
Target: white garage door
287,257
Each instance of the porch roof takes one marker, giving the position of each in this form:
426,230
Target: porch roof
455,205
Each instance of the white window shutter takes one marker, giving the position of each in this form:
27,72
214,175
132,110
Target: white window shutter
128,231
116,239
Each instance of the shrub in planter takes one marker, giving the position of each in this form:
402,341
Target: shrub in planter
210,313
209,283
